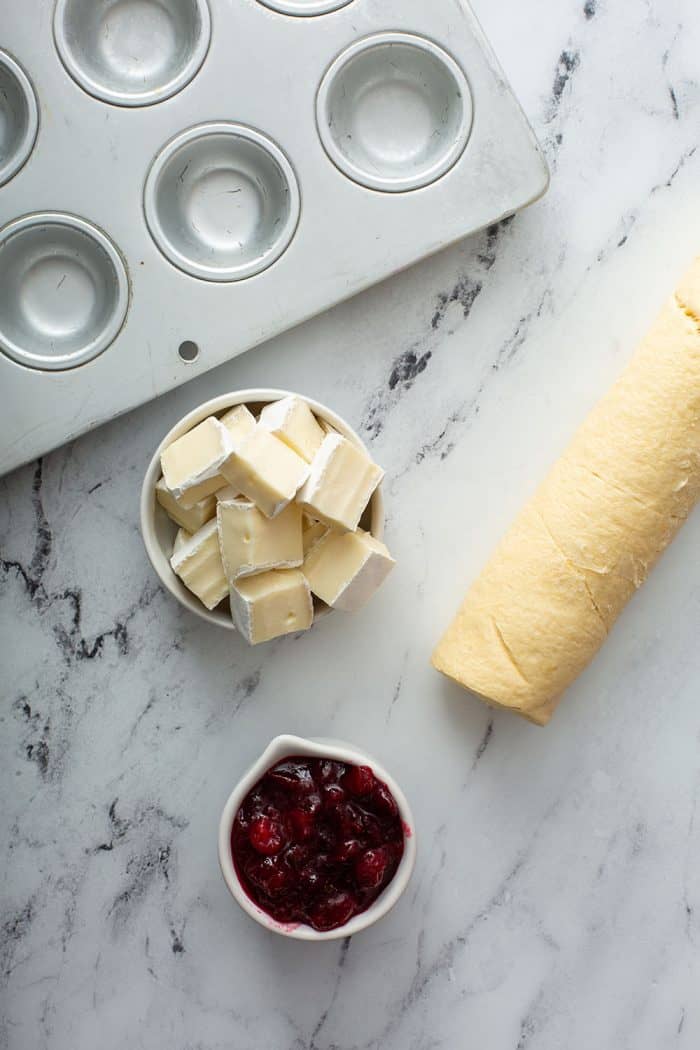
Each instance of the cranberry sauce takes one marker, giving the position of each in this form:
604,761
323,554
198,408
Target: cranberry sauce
316,841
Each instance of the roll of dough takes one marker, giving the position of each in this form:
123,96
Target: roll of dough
587,540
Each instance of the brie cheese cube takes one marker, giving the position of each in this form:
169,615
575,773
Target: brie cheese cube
312,533
181,539
292,421
198,564
271,604
192,464
345,568
251,543
340,484
239,421
190,519
266,471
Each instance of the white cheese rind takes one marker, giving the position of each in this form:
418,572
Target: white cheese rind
191,518
340,483
250,542
292,421
271,604
192,464
345,569
266,471
199,566
181,538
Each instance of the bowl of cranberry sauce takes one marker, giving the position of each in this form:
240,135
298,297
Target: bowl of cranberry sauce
316,842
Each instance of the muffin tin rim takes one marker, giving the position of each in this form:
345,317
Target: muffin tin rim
295,9
210,274
403,184
125,99
319,747
117,320
19,158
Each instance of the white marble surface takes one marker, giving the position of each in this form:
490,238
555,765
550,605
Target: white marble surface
556,901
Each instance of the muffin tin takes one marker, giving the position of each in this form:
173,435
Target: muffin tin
182,179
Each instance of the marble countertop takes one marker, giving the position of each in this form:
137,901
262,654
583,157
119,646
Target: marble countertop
556,900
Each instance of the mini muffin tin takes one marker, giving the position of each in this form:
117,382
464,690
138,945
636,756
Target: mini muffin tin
182,179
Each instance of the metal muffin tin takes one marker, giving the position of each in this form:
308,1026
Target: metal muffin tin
207,173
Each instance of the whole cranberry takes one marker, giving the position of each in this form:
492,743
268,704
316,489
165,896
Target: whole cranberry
293,777
302,824
333,911
371,867
359,781
266,836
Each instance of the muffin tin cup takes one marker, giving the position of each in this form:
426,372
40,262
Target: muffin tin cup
19,117
304,8
159,531
394,112
64,291
280,748
132,52
222,201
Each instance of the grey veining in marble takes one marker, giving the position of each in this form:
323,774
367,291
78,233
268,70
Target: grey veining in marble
556,900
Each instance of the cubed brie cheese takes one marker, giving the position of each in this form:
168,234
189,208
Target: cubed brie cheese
251,543
239,421
181,538
344,569
190,519
340,484
266,471
292,421
271,604
199,566
192,464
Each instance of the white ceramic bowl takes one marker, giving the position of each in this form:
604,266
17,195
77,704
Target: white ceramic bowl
159,531
280,748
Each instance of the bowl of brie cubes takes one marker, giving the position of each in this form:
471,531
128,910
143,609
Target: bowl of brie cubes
262,510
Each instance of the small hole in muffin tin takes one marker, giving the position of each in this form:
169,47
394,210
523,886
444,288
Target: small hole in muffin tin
304,8
222,201
19,117
132,52
394,112
64,291
188,351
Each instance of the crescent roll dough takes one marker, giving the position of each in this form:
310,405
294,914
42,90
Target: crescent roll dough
587,540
